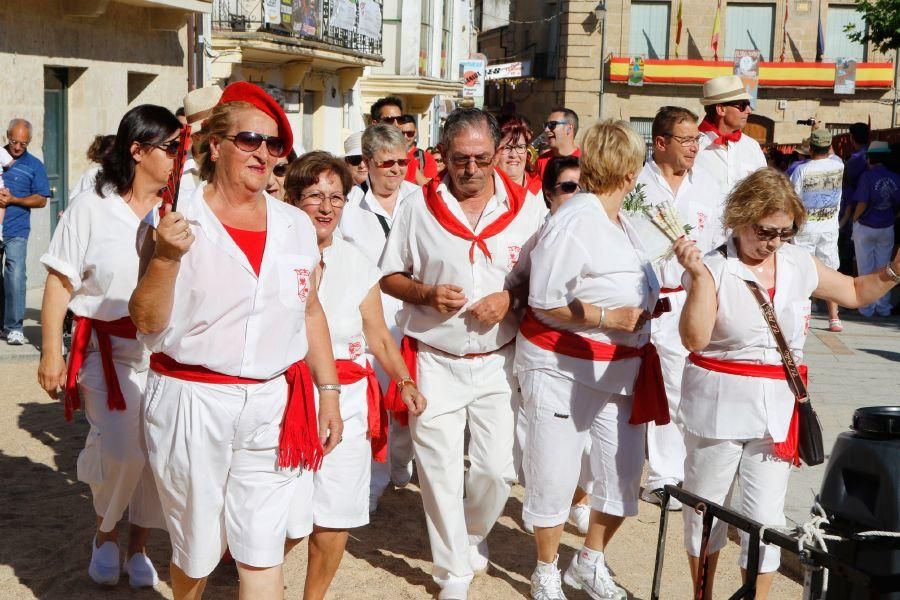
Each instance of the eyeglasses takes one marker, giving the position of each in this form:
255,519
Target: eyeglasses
567,187
317,198
741,105
353,161
387,164
480,161
280,170
393,120
18,143
409,134
686,142
767,234
170,148
250,141
551,125
517,148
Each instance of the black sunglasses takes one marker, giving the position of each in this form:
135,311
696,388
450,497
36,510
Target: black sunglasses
567,187
741,105
393,120
280,170
766,234
551,125
250,141
353,161
170,148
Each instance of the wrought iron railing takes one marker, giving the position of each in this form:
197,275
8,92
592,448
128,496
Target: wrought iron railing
348,24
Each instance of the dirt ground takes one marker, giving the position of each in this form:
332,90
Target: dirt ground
46,525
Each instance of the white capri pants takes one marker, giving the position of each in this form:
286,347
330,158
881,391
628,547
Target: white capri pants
709,471
213,451
564,416
114,459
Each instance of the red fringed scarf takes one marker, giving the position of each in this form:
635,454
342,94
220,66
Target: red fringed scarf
721,138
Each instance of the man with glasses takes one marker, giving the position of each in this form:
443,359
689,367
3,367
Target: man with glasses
452,259
559,131
27,187
671,175
725,151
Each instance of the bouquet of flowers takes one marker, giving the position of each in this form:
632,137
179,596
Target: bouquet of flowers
658,225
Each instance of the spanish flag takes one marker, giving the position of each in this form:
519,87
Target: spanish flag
714,42
678,23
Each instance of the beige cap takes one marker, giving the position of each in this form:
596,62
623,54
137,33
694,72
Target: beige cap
353,144
199,103
726,88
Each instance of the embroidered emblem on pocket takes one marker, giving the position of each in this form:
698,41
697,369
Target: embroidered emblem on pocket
302,283
513,253
355,349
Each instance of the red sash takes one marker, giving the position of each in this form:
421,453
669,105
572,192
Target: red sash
351,372
533,184
721,138
649,403
298,443
788,449
121,328
673,290
514,192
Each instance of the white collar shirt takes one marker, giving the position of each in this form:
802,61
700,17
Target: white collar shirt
225,317
422,248
723,406
190,179
730,163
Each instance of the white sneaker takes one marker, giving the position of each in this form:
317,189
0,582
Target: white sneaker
105,566
580,517
594,579
16,338
654,496
478,557
140,571
401,474
546,582
455,590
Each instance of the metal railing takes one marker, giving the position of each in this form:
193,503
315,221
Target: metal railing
302,20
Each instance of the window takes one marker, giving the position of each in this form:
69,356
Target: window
649,29
749,27
837,44
425,38
643,126
446,38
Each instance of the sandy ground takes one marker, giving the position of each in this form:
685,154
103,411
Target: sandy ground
46,528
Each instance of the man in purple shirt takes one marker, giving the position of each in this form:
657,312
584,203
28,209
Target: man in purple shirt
855,166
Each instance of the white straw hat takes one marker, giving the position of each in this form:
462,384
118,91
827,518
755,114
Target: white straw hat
353,144
199,103
726,88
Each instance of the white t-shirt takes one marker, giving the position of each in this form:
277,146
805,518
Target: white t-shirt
819,183
422,247
85,182
6,159
583,255
723,406
730,163
190,179
224,317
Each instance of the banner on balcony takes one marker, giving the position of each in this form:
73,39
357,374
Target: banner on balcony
306,17
746,66
636,71
272,12
279,14
370,19
343,14
845,76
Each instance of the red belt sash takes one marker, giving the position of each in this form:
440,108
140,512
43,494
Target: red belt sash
121,328
788,449
649,403
673,290
350,372
298,443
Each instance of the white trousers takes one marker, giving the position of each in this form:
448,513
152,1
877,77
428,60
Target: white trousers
114,459
710,470
213,451
562,416
873,252
399,455
481,392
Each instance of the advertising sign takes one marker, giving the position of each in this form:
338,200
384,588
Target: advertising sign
471,72
746,66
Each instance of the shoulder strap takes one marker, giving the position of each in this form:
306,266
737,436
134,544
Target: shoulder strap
364,186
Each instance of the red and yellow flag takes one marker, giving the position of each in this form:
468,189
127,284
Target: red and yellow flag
678,23
714,42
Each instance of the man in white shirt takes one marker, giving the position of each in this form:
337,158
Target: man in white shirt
198,105
819,183
725,151
672,176
452,260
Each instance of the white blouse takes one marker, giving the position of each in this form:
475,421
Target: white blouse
723,406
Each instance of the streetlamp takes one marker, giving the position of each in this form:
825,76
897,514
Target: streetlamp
600,15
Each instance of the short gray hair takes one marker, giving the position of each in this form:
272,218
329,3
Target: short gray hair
462,119
382,136
15,123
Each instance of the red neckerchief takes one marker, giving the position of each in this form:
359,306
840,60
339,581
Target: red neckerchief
533,183
514,193
721,138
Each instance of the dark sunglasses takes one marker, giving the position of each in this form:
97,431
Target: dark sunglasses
551,125
393,120
170,148
766,234
250,141
353,161
567,187
280,170
741,105
387,164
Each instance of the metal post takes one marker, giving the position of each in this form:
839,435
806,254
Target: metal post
602,63
660,546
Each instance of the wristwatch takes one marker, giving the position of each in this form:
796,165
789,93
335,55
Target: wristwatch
330,387
892,273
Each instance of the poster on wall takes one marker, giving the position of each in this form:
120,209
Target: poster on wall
272,12
306,17
471,72
746,66
636,71
343,14
370,19
845,76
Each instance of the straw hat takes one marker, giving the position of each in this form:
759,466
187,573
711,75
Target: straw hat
726,88
199,103
353,144
803,148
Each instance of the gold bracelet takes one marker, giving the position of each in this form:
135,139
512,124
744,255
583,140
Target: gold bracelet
405,382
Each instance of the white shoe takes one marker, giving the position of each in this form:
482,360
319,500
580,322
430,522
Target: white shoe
546,583
104,568
16,338
580,517
594,579
478,557
654,496
455,590
401,474
140,571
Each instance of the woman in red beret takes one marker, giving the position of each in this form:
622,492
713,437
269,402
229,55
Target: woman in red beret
228,307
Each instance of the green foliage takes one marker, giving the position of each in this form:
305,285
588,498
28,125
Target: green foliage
882,18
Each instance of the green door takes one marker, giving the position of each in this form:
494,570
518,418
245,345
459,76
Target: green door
56,82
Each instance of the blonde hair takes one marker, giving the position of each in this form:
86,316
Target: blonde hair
760,194
217,125
610,151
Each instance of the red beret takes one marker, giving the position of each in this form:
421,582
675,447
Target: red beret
243,91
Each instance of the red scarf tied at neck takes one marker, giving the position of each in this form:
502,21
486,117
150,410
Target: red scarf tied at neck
721,138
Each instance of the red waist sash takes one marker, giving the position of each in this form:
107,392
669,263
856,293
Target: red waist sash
350,372
298,443
788,449
649,403
121,328
673,290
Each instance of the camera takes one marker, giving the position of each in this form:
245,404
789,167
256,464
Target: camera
809,122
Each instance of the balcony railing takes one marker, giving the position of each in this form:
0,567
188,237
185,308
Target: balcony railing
348,24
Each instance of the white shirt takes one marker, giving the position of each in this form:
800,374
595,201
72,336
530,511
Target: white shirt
819,183
85,182
190,179
722,406
420,246
730,163
227,319
583,255
6,159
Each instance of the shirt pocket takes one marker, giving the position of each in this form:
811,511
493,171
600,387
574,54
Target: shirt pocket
799,316
296,276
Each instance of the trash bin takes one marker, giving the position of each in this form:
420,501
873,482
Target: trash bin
861,492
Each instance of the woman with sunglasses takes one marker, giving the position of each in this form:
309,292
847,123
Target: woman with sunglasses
737,408
359,170
348,288
275,187
92,265
560,181
513,159
228,306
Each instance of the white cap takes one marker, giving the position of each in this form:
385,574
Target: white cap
353,144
